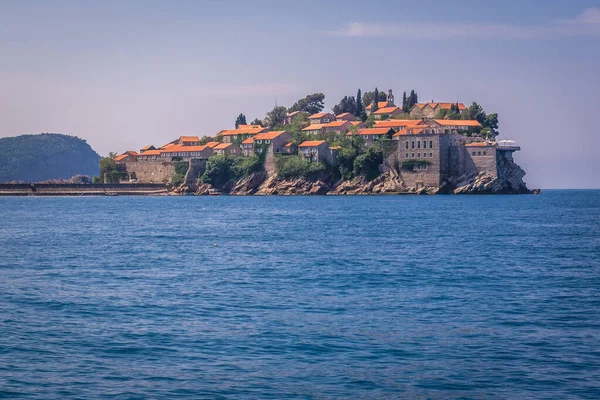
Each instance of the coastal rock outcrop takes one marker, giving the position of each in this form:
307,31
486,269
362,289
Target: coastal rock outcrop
508,180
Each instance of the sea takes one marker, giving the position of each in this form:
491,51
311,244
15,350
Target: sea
384,297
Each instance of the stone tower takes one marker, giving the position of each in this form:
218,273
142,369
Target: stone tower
390,99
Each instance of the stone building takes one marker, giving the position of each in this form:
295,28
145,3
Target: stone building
429,110
321,118
248,147
240,134
345,117
292,116
389,112
371,135
316,151
186,152
276,140
126,157
227,149
398,124
388,103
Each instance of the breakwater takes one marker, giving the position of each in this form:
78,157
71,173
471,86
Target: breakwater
77,189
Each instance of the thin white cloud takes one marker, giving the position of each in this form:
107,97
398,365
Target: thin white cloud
587,23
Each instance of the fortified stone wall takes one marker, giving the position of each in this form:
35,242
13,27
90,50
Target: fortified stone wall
475,164
410,147
151,171
195,169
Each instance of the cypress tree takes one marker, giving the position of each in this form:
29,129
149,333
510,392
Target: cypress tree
404,103
359,104
375,101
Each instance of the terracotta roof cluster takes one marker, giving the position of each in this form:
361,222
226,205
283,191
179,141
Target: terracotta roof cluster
269,135
397,123
319,115
480,144
332,124
125,155
371,131
181,148
387,110
194,139
445,106
311,143
380,104
458,122
243,130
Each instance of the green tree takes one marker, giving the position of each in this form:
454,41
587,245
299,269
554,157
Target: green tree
412,99
96,179
240,120
312,104
347,104
112,154
368,97
475,111
114,176
256,122
367,164
107,165
276,117
404,103
359,105
491,123
375,101
370,121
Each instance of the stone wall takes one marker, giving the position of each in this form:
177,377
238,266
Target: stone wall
432,152
195,169
151,171
476,162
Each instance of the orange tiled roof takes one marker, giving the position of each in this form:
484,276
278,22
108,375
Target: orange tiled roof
165,146
343,115
334,124
212,144
189,139
248,141
124,155
387,110
294,113
288,144
314,127
311,143
319,115
409,131
447,106
396,123
335,147
151,153
355,123
457,122
380,104
146,147
243,130
222,146
269,135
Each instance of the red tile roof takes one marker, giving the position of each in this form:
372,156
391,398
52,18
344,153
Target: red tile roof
319,115
447,106
151,153
387,110
311,143
371,131
355,123
314,127
409,131
222,146
146,147
380,104
458,122
269,135
195,139
335,124
212,144
248,141
397,123
243,130
184,149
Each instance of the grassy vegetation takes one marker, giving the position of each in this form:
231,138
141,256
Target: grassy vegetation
221,169
298,167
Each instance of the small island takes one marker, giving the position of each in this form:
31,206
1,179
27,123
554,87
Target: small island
366,145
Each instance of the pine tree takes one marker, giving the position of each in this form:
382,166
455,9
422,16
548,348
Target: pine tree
412,99
240,120
375,101
359,104
404,103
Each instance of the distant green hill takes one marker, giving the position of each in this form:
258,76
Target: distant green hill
34,158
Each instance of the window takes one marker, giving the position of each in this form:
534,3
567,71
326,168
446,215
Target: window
424,144
431,144
412,155
407,146
413,144
484,153
418,155
474,153
406,153
478,153
418,144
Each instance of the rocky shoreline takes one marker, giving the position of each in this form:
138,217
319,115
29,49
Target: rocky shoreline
509,180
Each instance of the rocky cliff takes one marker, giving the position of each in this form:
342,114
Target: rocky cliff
509,179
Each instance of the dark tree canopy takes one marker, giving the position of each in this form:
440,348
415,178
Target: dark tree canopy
359,105
347,104
34,158
240,120
276,117
405,103
412,99
312,104
369,96
257,122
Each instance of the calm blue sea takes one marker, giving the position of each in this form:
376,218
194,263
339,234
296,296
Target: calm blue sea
474,297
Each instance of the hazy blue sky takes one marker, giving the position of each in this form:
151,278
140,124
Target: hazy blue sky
123,74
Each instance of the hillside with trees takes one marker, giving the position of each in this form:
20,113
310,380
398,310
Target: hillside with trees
47,156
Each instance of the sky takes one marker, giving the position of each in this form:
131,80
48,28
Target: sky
125,74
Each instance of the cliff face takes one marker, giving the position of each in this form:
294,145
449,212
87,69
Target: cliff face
509,179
